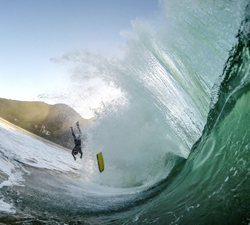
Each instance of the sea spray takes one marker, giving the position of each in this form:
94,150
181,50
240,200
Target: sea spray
153,114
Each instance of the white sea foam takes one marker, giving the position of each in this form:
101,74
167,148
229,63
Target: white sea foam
21,147
5,207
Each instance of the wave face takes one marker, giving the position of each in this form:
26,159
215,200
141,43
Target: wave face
175,137
212,187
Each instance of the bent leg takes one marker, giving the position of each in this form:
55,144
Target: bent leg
77,124
73,151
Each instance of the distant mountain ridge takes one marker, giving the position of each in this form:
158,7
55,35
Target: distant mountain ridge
51,122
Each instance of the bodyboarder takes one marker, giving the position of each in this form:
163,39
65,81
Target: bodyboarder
78,142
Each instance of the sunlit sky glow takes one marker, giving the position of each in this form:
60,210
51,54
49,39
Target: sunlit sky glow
33,32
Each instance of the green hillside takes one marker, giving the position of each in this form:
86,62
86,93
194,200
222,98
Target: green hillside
51,122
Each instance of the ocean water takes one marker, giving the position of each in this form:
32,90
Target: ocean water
175,139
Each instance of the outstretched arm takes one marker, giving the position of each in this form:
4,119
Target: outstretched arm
73,132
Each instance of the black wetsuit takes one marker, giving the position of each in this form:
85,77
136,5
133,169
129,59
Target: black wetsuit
78,143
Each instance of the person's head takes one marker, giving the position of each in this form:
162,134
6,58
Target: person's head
78,137
75,152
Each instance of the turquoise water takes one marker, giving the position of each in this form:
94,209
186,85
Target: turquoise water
175,145
212,187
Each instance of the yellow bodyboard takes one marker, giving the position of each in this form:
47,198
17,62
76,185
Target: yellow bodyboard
100,161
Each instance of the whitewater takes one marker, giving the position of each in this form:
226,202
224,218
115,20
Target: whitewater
175,135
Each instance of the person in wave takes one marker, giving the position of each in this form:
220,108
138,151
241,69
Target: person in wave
78,142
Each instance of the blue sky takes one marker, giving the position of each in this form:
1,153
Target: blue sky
33,31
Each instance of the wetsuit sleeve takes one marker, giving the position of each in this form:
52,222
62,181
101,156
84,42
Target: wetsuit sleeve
73,134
